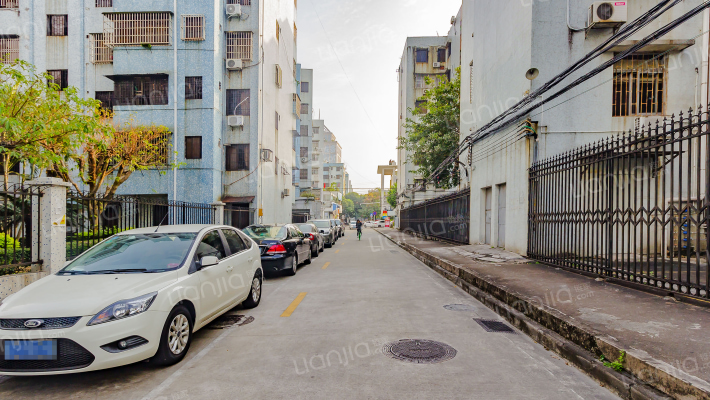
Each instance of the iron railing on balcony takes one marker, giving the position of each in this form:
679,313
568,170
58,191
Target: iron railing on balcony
9,3
92,219
9,49
632,207
445,217
18,245
138,29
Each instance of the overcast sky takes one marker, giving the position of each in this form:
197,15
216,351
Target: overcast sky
368,37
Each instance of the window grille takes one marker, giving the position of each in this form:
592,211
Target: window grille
304,109
422,55
441,56
106,99
238,102
9,49
238,157
304,174
240,45
137,29
420,82
141,90
304,130
304,151
316,130
60,77
314,171
9,3
104,3
279,76
639,85
240,2
57,25
193,27
193,147
193,88
100,53
314,157
305,87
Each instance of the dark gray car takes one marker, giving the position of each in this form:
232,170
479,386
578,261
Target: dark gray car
325,228
317,238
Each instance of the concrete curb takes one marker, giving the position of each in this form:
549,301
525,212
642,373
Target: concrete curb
644,377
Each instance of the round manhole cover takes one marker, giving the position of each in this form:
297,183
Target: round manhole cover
419,351
459,307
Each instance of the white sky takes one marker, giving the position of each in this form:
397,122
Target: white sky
368,37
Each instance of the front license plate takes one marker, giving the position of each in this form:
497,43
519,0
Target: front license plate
30,350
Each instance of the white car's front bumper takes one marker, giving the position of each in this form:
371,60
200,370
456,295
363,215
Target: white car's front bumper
148,325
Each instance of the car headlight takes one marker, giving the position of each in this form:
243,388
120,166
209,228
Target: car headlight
124,309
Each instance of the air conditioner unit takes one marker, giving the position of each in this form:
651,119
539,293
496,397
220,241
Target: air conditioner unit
235,120
287,192
607,14
234,10
233,64
304,159
266,155
437,65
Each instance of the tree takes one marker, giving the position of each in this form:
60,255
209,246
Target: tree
36,116
348,207
392,196
433,135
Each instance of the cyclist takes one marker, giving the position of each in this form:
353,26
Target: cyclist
358,225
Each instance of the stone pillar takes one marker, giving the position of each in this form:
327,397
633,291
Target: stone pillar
218,212
49,225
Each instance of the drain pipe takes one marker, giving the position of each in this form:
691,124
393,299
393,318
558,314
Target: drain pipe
175,100
704,94
568,24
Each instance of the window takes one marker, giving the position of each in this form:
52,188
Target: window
234,241
278,118
316,130
193,147
241,2
106,99
9,49
304,174
60,77
304,130
314,171
639,85
279,76
240,45
138,29
304,151
420,106
141,90
211,246
337,169
9,3
419,82
305,87
238,102
193,88
314,157
422,55
100,53
57,25
104,3
238,157
441,56
193,27
304,108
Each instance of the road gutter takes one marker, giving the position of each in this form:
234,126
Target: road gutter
644,378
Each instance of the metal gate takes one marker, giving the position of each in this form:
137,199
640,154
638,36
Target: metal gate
632,207
19,208
445,217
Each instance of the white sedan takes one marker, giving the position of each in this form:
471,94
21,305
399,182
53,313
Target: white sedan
138,295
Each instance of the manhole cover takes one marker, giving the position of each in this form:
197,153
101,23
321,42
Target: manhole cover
491,325
227,321
459,307
419,351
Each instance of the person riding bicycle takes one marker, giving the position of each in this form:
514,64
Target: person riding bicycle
358,226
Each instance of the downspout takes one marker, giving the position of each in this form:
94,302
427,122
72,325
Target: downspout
568,24
175,100
704,97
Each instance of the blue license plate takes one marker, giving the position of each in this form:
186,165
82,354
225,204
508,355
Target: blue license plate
30,350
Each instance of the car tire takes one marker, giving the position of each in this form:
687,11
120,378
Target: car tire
178,320
328,245
315,252
255,293
322,248
310,258
294,266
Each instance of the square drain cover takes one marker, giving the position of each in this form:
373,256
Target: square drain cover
491,325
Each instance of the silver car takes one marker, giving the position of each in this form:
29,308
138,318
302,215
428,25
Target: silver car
325,228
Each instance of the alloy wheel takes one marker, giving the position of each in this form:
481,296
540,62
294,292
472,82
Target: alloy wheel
179,334
255,289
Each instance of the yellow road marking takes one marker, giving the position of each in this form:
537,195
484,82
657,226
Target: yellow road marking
337,251
294,305
326,265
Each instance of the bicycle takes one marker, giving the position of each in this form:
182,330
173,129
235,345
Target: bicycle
359,234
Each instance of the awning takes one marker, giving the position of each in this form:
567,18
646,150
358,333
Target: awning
656,46
246,199
130,76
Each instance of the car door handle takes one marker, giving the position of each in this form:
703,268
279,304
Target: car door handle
251,259
230,269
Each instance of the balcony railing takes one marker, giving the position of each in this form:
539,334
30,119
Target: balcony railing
9,3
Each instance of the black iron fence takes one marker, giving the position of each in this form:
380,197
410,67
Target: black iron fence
445,217
16,237
632,207
92,219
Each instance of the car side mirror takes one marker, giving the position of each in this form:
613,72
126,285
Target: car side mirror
207,261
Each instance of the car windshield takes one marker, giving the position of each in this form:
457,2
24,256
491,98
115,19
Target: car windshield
305,228
266,232
150,252
322,224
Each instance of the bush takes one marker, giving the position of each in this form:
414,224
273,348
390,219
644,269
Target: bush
6,241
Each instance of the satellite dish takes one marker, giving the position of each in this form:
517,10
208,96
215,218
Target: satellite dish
532,73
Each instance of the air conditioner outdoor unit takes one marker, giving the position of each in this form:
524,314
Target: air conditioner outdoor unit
266,155
607,14
437,65
304,159
287,192
234,10
233,64
235,120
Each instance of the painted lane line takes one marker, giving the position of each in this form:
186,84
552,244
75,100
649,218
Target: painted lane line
326,265
337,251
294,305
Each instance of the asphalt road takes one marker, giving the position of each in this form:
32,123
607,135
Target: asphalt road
354,299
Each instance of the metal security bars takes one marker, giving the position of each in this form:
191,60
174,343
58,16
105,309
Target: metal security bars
445,217
104,3
9,3
9,49
240,46
138,29
193,27
17,244
100,53
93,219
639,85
241,2
632,207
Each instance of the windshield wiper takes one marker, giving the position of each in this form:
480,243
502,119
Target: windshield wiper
118,271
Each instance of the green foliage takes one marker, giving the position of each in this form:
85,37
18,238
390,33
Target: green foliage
433,133
348,207
617,365
392,196
7,242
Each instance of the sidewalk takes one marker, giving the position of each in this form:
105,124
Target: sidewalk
667,342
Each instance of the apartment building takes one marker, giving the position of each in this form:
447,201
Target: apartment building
220,75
